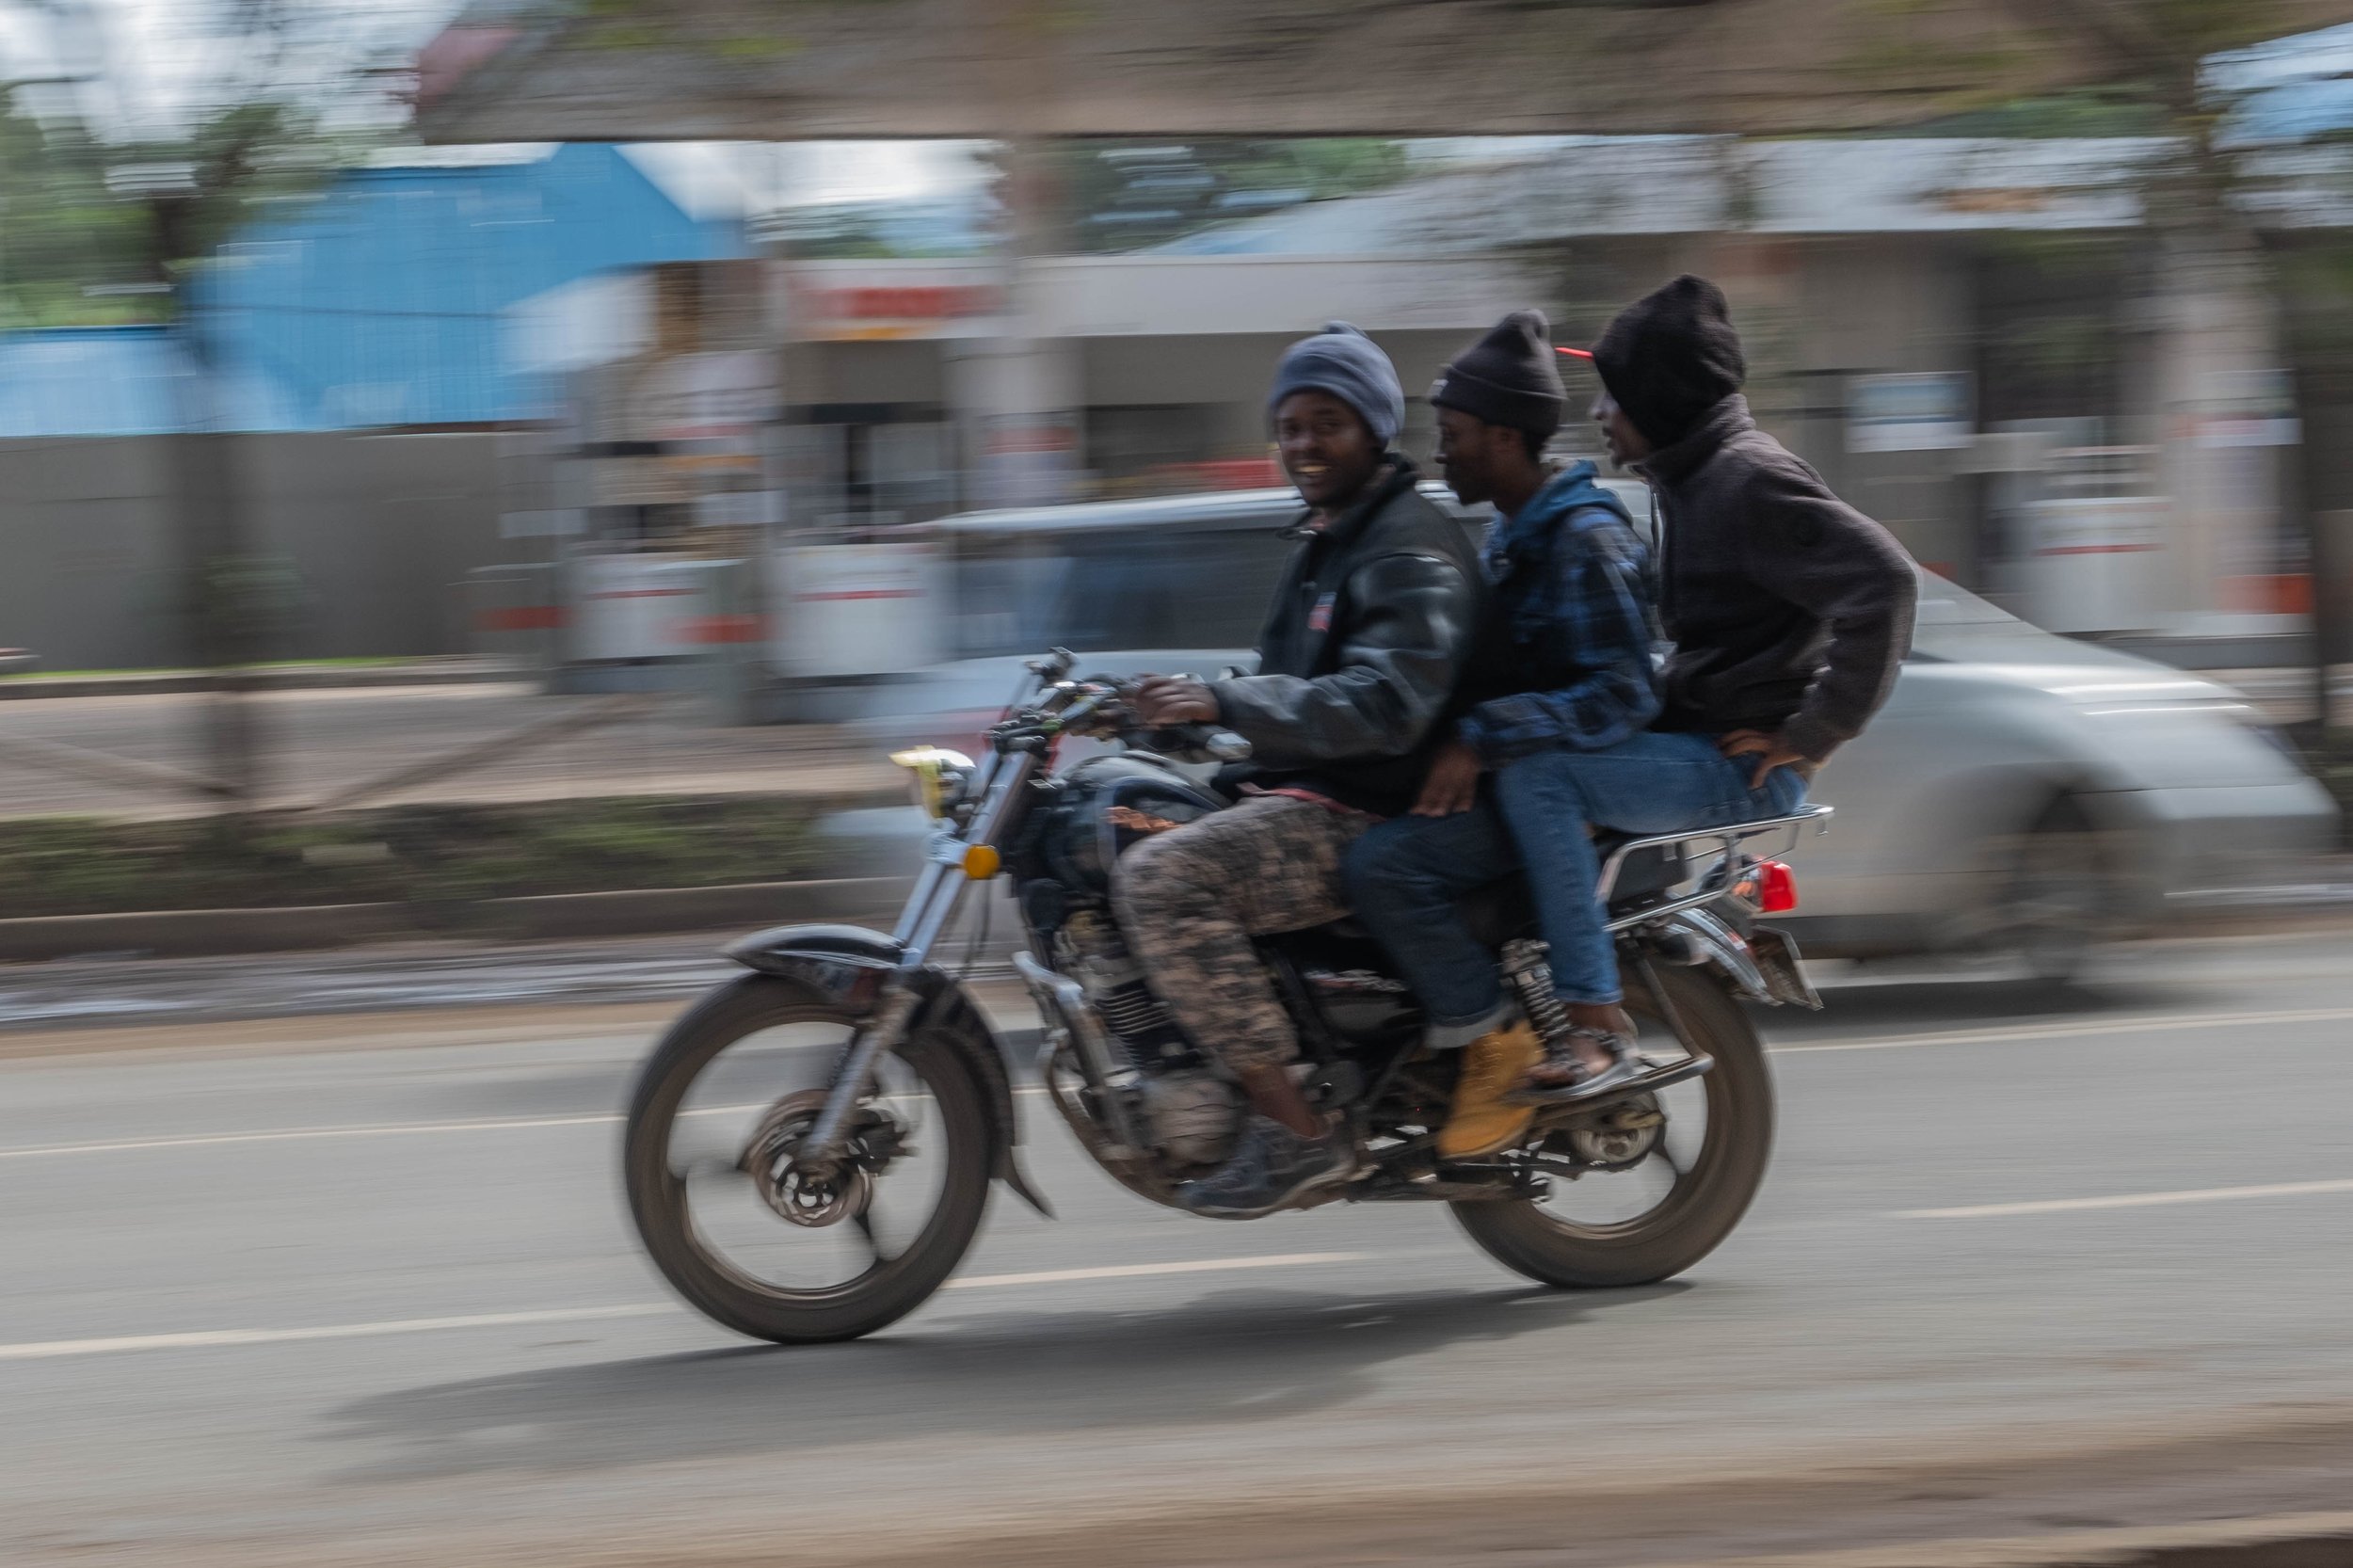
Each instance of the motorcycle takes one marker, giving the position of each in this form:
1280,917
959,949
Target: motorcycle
767,1210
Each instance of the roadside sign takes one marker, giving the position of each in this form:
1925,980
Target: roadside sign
1924,412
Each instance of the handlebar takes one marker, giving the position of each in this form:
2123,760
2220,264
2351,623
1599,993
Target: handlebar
1102,707
1219,744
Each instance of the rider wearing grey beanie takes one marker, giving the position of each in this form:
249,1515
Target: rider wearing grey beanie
1357,663
1343,360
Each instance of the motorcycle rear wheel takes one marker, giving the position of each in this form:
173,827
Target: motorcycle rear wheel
1705,1202
702,1272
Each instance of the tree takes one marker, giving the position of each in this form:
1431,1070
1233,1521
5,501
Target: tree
113,218
1114,195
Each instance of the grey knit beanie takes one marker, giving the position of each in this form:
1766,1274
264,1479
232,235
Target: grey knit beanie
1341,360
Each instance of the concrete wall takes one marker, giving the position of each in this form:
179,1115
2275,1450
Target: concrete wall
1878,306
1227,375
378,530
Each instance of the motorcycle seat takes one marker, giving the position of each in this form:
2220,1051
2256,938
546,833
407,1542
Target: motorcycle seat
1502,909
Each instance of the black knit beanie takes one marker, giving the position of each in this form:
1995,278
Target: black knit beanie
1671,356
1509,377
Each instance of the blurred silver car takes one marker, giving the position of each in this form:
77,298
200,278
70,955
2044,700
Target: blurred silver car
2020,793
2023,792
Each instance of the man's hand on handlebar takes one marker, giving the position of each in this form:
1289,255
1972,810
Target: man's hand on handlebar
1161,700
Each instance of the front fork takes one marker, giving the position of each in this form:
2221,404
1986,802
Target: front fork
884,1029
929,910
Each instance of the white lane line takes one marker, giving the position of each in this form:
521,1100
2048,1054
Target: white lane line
1138,1270
384,1129
2127,1200
389,1129
1897,1042
2065,1031
45,1350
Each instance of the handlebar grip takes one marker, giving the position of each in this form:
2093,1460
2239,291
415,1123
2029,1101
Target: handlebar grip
1222,745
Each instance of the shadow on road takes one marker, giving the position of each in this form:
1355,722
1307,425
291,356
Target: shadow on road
1211,1361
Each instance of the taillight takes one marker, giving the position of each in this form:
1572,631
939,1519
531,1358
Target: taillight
1776,887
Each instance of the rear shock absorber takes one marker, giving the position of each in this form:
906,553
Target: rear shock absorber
1524,965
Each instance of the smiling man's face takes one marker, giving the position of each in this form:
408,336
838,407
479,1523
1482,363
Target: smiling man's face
1328,450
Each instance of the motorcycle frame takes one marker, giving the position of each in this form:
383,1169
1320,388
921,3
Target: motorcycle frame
895,986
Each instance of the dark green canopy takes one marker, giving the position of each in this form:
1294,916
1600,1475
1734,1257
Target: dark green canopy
776,70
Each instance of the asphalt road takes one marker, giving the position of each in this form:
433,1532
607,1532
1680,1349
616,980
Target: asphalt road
359,1290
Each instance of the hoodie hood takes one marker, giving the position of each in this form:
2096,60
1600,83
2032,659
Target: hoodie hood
1670,357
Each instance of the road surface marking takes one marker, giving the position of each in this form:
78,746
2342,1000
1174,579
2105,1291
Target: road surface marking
45,1350
1138,1270
1896,1042
2128,1200
388,1130
2064,1032
383,1129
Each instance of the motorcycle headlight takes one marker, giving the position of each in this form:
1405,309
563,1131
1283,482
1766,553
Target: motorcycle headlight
939,778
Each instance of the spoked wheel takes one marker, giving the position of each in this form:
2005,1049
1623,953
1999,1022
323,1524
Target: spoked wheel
768,1244
2058,898
1660,1179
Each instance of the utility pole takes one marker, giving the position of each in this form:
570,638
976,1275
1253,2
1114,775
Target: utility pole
225,627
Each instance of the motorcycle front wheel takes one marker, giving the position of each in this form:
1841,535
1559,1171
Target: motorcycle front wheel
757,1243
1652,1200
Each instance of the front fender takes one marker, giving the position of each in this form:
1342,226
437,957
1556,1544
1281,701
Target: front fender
849,966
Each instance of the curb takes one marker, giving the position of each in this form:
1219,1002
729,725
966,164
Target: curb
2281,1541
265,681
212,932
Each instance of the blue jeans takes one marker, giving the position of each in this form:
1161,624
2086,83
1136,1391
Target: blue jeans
1406,876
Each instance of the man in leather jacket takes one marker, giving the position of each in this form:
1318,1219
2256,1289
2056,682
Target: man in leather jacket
1359,659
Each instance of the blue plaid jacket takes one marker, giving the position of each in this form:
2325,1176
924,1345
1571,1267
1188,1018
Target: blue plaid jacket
1569,658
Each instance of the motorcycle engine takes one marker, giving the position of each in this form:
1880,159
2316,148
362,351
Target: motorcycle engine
1194,1116
1090,950
1193,1113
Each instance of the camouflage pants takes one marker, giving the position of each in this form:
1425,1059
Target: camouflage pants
1190,899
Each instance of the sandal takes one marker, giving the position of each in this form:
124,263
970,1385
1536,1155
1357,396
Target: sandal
1563,1078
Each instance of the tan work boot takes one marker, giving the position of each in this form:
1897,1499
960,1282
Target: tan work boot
1481,1123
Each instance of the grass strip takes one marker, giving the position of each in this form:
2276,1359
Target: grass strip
432,855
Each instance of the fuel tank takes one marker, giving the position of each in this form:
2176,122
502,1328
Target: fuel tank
1101,808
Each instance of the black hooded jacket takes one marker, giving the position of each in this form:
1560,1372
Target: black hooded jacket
1789,609
1363,646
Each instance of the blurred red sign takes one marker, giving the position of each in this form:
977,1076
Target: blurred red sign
911,302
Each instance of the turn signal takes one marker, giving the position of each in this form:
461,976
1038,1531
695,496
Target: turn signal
981,862
1776,888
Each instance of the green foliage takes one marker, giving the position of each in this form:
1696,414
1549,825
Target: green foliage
62,231
2114,109
86,223
1121,195
439,857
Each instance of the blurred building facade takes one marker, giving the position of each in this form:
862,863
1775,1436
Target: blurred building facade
380,302
357,347
1969,337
